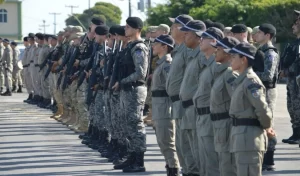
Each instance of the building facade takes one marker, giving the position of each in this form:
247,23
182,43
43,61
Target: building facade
11,19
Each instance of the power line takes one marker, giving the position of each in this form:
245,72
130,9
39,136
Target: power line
44,26
54,14
72,7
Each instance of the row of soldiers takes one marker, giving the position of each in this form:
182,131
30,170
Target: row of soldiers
10,68
213,96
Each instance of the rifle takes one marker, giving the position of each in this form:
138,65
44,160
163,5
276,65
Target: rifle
108,67
61,67
93,80
70,64
113,79
50,63
46,61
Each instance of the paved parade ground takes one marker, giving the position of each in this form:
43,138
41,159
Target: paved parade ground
32,144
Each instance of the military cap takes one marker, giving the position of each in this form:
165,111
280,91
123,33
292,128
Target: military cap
31,35
227,42
120,30
135,22
113,29
249,29
208,23
6,41
68,28
14,43
255,30
60,33
267,28
194,25
152,28
164,27
227,29
54,37
218,25
97,21
25,39
239,28
76,29
165,39
46,36
76,35
244,49
181,19
101,30
212,32
40,36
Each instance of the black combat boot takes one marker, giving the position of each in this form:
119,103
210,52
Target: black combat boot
173,172
88,134
20,89
296,138
138,165
115,150
40,102
103,145
268,163
34,100
7,93
14,89
122,153
290,138
47,104
94,136
29,98
1,90
130,161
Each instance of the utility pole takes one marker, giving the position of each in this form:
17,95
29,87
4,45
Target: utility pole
54,14
72,7
129,4
149,4
44,26
89,4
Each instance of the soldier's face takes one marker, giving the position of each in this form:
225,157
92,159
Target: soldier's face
129,31
296,27
175,31
153,35
205,43
221,55
237,62
191,39
5,44
157,48
260,37
53,42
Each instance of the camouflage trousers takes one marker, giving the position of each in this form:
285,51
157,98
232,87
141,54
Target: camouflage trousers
2,79
45,85
99,116
56,92
271,100
52,84
132,104
17,79
116,120
81,106
107,113
293,101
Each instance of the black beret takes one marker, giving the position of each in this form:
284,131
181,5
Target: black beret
46,36
25,39
101,30
244,49
208,23
40,36
97,21
31,35
6,41
113,29
218,25
120,30
135,22
181,19
14,43
239,28
165,39
267,28
213,33
53,37
227,42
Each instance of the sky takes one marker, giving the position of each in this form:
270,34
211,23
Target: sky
35,11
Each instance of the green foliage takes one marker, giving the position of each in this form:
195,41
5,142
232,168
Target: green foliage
110,13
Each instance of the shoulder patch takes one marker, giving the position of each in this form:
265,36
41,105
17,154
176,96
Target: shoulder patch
270,57
254,86
138,52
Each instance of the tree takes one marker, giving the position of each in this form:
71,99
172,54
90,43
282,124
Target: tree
110,13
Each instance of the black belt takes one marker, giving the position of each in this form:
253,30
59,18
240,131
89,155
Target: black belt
203,111
27,65
160,93
31,61
245,122
175,98
219,116
187,103
36,65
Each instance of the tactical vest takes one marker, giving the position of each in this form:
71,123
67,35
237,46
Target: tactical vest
259,66
127,64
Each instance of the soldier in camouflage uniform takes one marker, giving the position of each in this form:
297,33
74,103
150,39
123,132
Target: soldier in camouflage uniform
17,81
2,80
290,66
133,95
7,63
269,77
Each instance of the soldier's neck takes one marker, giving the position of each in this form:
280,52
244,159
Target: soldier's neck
208,53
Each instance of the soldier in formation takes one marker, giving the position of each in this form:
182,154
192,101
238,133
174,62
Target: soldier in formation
212,93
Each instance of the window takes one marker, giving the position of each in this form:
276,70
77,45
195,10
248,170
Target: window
3,16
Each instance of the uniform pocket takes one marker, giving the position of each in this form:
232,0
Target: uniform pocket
222,131
161,108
